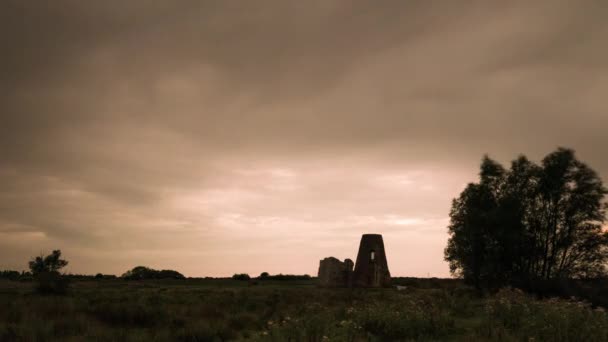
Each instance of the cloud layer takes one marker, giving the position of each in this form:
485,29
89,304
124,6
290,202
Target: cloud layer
219,137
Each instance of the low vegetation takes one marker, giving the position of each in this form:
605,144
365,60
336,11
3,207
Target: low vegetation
45,271
225,309
146,273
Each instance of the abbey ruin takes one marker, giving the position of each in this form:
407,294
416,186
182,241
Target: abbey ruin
370,270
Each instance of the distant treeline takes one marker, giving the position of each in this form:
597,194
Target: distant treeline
266,276
137,273
28,276
147,273
14,275
287,277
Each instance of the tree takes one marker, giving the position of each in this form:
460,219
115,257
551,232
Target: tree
529,222
139,273
241,276
143,273
170,274
45,270
51,263
264,275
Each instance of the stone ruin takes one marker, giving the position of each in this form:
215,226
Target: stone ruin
335,273
370,270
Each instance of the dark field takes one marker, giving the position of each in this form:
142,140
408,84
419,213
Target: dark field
222,310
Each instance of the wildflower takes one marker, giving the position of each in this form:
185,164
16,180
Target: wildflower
325,338
270,322
265,333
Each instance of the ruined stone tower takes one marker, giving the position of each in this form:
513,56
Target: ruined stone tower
371,268
335,273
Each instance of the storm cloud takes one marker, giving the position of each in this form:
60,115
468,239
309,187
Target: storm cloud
216,137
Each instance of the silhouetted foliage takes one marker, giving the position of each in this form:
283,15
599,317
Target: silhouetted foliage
143,272
49,263
280,276
170,274
288,277
10,275
45,271
529,223
26,276
241,276
99,276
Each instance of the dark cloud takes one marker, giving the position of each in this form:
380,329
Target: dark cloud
156,132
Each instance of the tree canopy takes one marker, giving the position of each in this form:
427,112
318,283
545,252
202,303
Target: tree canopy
529,222
45,270
143,272
51,263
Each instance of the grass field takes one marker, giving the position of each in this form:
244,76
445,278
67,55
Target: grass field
223,310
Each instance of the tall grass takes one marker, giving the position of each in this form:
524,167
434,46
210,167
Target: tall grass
112,310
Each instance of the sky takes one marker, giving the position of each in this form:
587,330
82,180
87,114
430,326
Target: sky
221,137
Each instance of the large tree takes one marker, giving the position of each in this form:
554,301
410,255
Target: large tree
529,222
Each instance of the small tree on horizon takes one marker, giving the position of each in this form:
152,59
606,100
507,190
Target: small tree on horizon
144,273
46,272
241,276
51,263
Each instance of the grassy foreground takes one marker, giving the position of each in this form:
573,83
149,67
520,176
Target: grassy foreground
212,310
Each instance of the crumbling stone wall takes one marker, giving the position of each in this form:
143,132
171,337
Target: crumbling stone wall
335,273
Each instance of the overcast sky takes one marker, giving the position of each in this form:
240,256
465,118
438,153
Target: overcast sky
215,137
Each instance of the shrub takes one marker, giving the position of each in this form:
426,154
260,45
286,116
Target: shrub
10,275
241,276
143,273
45,270
51,283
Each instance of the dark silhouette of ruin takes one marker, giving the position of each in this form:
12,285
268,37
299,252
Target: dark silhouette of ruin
371,269
335,273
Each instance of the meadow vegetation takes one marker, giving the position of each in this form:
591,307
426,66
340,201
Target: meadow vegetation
295,310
